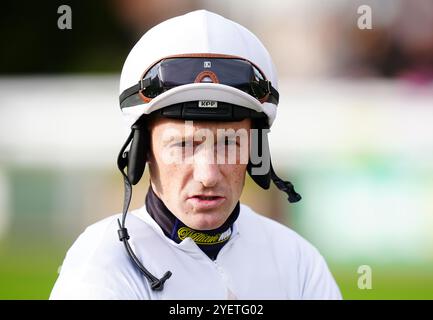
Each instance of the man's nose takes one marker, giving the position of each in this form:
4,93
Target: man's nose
207,172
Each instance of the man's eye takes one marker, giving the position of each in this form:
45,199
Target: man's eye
183,144
230,142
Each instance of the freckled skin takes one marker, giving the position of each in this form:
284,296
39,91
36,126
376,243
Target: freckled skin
175,182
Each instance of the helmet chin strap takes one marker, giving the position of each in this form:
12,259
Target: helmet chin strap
285,186
122,161
263,180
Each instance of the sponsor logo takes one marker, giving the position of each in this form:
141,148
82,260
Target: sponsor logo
203,238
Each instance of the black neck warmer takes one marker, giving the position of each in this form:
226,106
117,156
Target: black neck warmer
209,241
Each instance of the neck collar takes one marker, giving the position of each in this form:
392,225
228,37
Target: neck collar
209,241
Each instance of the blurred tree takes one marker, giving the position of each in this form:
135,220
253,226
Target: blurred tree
33,43
102,33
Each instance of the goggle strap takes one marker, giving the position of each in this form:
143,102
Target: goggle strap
129,92
274,96
143,84
136,88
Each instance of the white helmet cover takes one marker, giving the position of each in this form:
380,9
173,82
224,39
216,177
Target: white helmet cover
200,32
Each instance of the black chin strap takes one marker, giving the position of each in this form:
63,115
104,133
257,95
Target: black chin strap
285,186
122,162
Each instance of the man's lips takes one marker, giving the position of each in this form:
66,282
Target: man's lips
206,196
202,201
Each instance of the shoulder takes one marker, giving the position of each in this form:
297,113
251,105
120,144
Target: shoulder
96,265
97,242
312,272
255,224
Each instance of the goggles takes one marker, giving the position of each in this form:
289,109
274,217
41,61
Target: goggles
175,71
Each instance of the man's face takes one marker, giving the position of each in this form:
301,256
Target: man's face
192,159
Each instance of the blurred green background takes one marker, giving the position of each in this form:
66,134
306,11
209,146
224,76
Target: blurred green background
354,133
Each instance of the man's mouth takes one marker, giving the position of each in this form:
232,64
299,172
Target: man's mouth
206,201
207,197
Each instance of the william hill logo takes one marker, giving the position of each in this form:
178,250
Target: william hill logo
207,104
203,238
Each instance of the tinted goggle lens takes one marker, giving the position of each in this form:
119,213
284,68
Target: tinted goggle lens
173,72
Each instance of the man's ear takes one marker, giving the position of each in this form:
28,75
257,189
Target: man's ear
148,156
137,156
138,152
261,147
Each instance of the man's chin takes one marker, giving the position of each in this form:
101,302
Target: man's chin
206,220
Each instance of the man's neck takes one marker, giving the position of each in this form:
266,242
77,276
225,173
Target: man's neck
209,241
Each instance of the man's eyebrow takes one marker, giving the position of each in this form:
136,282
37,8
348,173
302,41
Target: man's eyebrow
231,134
181,138
165,139
228,135
176,139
